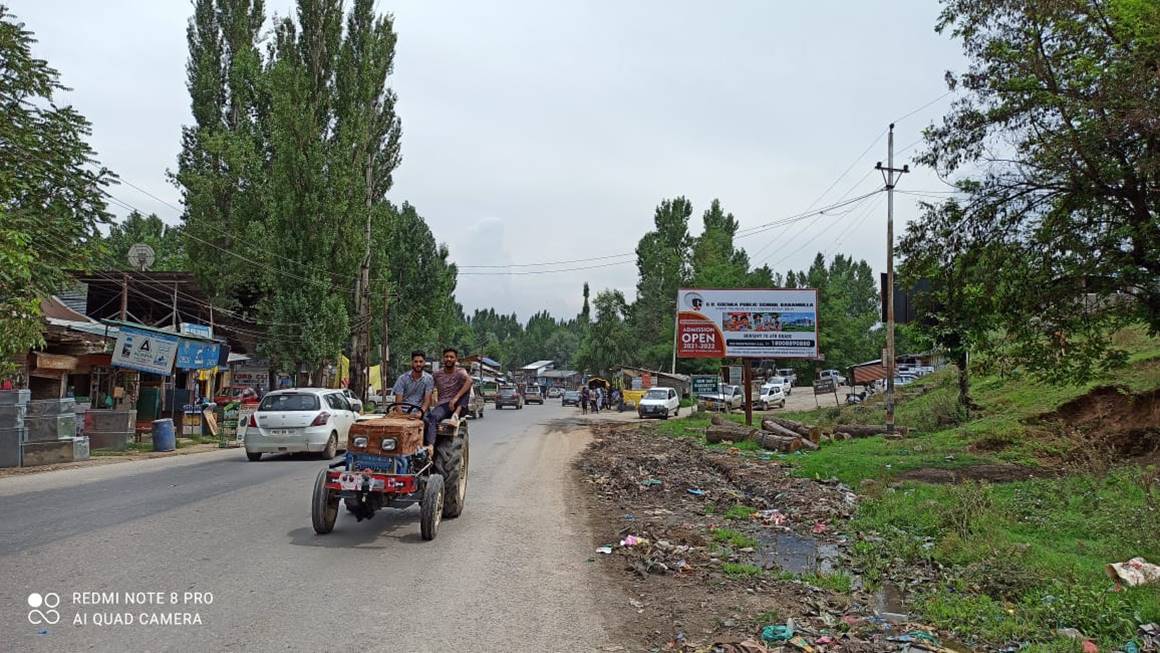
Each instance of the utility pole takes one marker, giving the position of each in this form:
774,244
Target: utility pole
384,373
888,175
124,295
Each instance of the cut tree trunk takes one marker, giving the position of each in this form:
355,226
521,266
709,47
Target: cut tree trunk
796,427
859,430
778,442
731,433
782,431
806,443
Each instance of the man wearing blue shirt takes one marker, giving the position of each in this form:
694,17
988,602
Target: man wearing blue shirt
414,387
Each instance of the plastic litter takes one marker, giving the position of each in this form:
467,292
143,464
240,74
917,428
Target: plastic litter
1090,647
824,640
1069,632
801,644
1136,571
633,540
1131,647
606,550
697,492
819,528
777,633
650,482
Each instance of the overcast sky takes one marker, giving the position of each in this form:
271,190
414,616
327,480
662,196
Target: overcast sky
548,131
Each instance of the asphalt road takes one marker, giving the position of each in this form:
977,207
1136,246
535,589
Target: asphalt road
509,575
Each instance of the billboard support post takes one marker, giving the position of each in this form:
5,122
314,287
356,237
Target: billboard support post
747,379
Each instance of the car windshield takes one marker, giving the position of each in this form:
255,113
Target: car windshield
571,394
657,394
507,392
288,402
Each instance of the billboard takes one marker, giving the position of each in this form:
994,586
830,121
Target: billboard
145,351
196,355
747,323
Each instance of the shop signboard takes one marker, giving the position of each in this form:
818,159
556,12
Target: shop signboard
145,351
705,384
774,323
196,354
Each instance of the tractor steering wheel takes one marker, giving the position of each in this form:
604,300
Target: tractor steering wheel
387,407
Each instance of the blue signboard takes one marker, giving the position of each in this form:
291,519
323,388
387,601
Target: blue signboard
196,355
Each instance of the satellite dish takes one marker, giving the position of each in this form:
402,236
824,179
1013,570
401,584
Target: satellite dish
141,256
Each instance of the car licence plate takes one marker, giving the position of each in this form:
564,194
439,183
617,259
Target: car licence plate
281,431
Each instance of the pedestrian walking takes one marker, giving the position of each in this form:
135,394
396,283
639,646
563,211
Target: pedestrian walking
584,400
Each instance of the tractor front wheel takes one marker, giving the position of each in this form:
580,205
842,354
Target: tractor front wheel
431,507
324,506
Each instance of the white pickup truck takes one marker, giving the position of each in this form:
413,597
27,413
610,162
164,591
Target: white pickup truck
729,398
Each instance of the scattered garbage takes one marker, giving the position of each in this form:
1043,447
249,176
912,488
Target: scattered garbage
1134,572
1070,633
1090,647
776,633
606,550
636,604
801,644
819,528
633,540
772,517
697,492
651,482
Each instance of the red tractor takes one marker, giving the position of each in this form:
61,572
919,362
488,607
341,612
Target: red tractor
386,466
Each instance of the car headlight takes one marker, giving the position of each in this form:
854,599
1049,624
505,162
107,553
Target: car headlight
360,442
389,444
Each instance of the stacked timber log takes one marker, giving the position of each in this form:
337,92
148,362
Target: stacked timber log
786,435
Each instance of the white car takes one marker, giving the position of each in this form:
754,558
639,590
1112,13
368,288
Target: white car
833,374
659,402
787,373
772,394
356,404
315,420
785,382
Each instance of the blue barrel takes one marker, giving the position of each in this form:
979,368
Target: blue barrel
164,438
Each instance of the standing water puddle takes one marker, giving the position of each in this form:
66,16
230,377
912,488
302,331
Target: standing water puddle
796,554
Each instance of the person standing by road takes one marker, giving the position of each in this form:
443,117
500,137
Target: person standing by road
584,400
414,387
452,385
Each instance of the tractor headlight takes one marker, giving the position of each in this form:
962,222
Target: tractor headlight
389,444
360,442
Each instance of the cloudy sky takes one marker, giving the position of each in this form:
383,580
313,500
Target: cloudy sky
539,131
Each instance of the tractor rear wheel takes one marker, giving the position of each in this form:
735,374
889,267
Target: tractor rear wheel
451,456
324,506
431,507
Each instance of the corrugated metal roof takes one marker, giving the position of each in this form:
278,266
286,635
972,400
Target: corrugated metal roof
537,365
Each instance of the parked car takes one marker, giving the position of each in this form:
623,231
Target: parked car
533,395
659,402
787,373
509,396
772,395
356,404
783,381
729,398
475,403
317,420
832,374
554,393
570,398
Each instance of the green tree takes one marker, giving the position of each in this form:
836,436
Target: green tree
222,168
958,311
662,261
166,241
309,302
51,190
1057,116
715,262
608,342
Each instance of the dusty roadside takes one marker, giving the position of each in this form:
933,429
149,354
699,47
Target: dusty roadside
101,460
708,547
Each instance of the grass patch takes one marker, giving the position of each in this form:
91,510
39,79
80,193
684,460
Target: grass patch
740,569
735,539
739,512
836,582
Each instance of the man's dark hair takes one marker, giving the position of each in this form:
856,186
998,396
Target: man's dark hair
419,354
453,350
